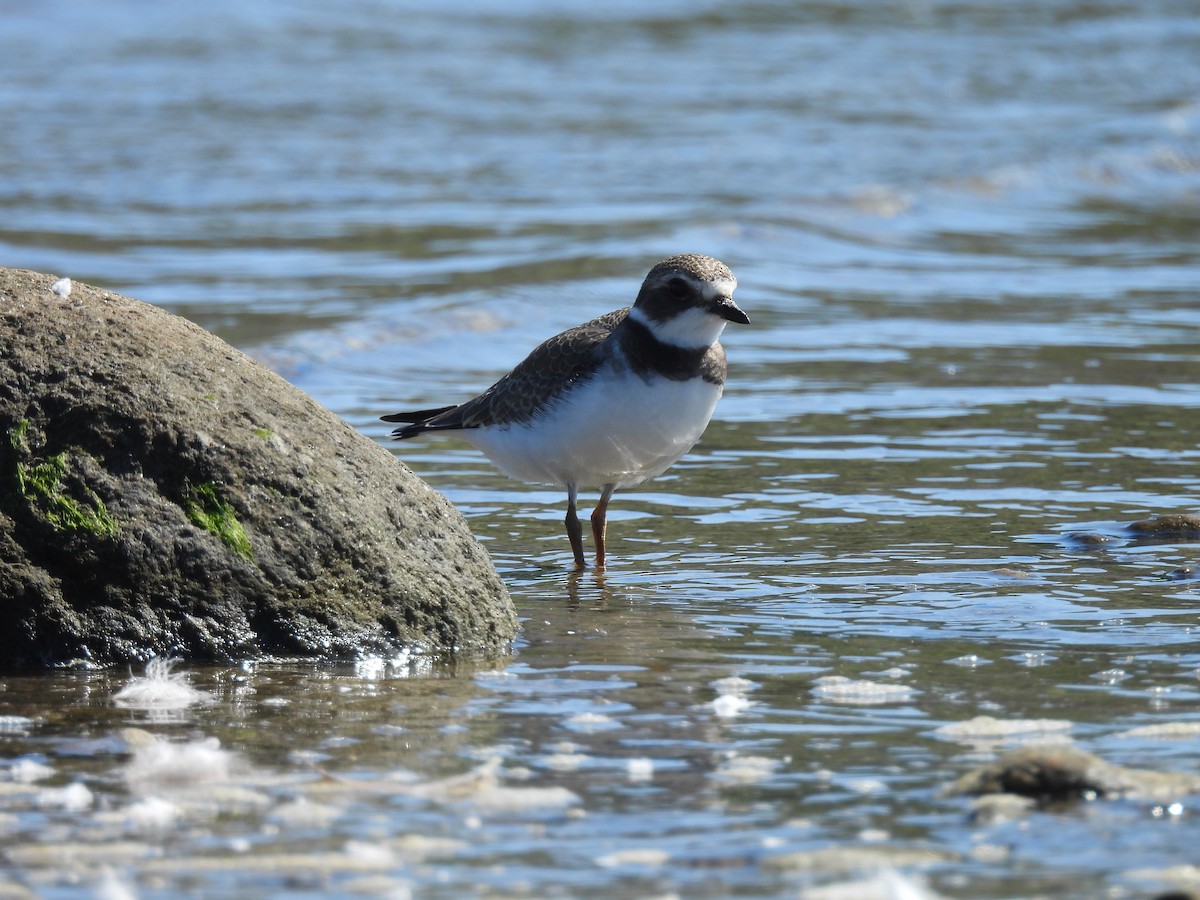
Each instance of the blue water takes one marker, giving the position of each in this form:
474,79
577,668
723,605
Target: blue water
966,235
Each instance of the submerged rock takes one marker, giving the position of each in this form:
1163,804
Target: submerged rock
1167,526
161,493
1183,573
1057,773
1185,877
1091,539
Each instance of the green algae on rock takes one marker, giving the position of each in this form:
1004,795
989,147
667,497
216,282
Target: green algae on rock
41,484
205,507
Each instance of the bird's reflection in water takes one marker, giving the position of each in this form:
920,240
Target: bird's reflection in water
588,587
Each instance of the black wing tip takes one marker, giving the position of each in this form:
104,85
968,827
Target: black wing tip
415,416
408,431
417,421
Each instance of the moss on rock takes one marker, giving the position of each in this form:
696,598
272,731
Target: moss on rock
41,484
205,507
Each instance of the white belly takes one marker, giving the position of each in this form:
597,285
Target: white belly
617,430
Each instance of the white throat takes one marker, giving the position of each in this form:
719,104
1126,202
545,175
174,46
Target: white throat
691,329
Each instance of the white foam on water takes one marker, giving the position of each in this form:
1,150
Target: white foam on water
989,729
160,688
1163,731
157,763
839,689
640,769
886,885
27,771
729,705
74,797
731,699
737,769
152,814
112,887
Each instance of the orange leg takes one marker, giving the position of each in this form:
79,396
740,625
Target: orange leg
599,521
574,529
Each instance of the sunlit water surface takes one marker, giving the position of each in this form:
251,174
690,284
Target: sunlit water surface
966,235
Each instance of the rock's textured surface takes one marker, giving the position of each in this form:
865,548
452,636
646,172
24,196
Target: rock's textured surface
162,493
1171,525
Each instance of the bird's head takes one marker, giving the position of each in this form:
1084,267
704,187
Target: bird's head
687,300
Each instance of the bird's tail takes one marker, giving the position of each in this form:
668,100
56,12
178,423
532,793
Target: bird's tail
417,421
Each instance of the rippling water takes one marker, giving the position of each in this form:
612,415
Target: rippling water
966,234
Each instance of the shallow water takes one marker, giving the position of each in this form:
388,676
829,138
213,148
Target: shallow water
966,235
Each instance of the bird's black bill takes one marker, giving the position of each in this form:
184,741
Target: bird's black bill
731,312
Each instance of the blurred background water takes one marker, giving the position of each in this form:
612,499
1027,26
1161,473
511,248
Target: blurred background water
967,236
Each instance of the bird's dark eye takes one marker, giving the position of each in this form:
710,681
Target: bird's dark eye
678,288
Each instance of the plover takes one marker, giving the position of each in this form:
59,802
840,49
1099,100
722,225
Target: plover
608,403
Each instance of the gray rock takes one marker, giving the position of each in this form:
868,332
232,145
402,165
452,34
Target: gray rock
162,493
